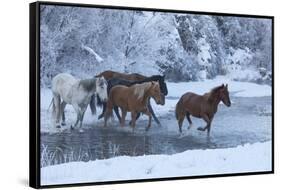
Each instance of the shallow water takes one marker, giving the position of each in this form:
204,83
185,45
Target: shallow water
248,120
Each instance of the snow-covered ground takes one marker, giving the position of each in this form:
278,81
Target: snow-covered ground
247,158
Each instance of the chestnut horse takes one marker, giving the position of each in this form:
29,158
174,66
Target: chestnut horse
204,106
116,81
113,74
133,99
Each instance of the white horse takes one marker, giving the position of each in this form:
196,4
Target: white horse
69,90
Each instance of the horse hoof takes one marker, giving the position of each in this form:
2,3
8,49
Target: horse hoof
58,126
190,126
63,124
71,127
200,129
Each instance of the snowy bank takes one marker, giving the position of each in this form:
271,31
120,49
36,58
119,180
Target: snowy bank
247,158
236,88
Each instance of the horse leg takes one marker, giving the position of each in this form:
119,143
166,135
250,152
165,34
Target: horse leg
137,117
81,119
209,127
77,110
188,119
180,122
82,113
116,110
103,110
63,104
57,110
147,112
124,113
153,114
208,121
133,121
76,122
108,112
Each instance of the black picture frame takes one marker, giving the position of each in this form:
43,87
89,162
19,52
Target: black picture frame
34,93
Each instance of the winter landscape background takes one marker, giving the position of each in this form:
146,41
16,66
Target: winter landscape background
196,53
184,47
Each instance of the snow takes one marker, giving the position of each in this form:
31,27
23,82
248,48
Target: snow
204,54
91,51
238,66
236,88
256,157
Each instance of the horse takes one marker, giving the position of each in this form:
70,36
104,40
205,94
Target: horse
201,106
113,74
133,99
117,81
68,90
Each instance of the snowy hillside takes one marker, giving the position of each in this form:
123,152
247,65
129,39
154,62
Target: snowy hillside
256,157
184,47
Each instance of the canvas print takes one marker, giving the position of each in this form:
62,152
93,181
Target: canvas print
136,94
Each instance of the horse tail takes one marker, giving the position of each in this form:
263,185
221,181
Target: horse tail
52,102
179,109
53,107
93,104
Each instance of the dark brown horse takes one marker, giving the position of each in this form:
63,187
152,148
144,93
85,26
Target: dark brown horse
203,107
133,99
113,74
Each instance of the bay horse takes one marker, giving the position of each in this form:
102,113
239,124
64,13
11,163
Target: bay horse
68,90
133,99
113,74
201,106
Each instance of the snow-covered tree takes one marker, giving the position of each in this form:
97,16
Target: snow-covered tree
184,47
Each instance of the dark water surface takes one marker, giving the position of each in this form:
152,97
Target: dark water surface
248,120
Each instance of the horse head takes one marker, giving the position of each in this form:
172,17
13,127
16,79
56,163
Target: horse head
224,95
101,88
162,83
156,93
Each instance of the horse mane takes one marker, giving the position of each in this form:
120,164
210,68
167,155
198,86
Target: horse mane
148,79
88,84
213,91
140,89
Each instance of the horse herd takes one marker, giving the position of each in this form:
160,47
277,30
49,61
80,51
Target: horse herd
131,93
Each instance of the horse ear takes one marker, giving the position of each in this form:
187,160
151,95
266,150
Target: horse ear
226,86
